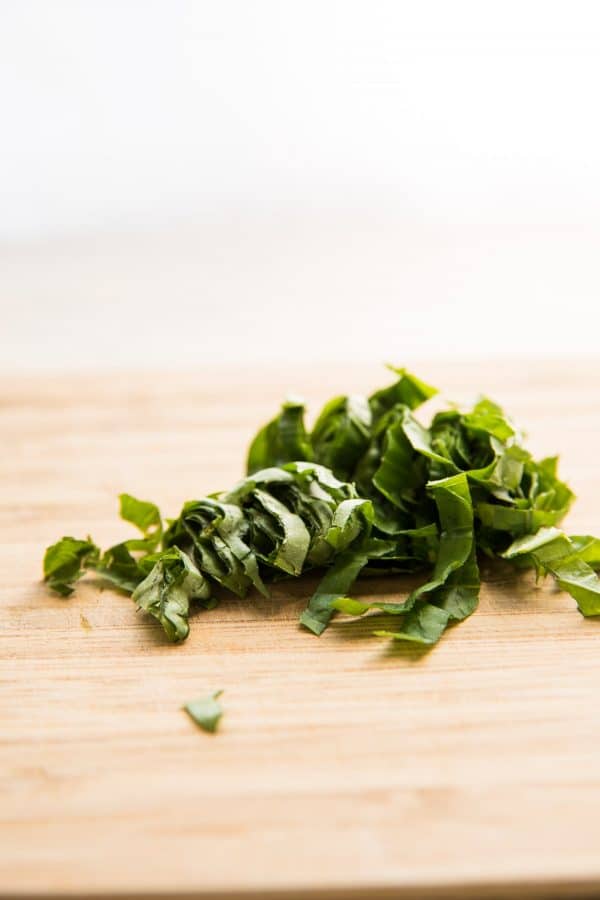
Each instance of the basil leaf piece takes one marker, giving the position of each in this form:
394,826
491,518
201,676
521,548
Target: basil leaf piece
166,592
402,474
424,625
459,595
421,440
206,712
341,434
141,513
587,549
146,517
216,535
455,578
553,552
408,391
292,548
352,519
118,566
334,586
282,440
297,515
488,418
66,561
518,521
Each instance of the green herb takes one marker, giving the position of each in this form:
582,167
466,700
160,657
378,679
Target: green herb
145,516
371,490
454,581
280,441
166,592
206,712
279,521
423,625
552,552
66,561
118,566
332,590
441,494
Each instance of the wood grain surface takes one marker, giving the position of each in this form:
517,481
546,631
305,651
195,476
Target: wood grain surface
345,766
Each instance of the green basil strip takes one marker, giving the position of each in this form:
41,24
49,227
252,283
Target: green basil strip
336,583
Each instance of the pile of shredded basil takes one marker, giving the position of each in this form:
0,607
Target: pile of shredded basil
369,490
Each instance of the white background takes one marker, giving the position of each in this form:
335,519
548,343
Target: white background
215,181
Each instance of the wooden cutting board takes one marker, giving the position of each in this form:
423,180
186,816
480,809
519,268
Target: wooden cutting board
345,766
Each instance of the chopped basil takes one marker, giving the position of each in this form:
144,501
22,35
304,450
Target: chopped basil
370,489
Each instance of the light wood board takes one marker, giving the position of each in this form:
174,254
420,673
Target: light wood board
344,764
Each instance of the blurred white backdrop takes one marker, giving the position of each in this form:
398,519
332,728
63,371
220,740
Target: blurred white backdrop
197,181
